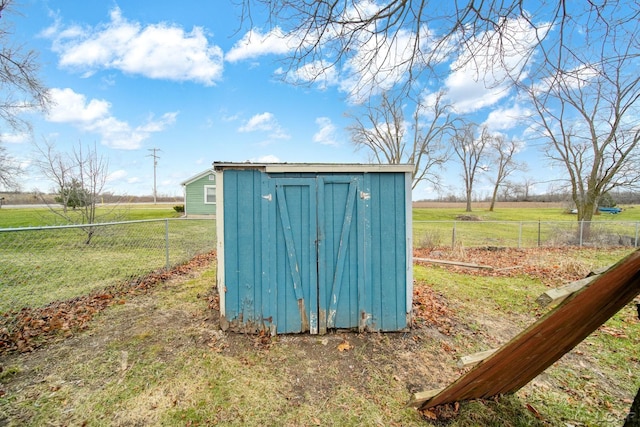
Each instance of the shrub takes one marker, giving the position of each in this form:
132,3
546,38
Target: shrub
179,208
430,239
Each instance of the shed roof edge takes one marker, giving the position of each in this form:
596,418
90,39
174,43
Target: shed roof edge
316,167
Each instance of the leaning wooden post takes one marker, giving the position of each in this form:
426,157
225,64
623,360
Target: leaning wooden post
547,340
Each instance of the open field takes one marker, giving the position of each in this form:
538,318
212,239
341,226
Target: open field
42,216
512,211
485,205
157,357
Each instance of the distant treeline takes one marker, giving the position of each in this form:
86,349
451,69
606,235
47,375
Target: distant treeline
618,198
30,198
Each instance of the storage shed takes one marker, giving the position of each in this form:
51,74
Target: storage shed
314,247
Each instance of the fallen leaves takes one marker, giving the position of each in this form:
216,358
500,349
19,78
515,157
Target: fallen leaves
442,413
29,328
549,265
430,309
344,346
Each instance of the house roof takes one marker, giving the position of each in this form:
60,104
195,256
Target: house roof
197,177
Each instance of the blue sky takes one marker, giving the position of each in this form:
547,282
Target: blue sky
186,79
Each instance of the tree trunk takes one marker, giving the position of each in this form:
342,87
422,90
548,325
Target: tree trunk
494,196
584,230
468,192
633,419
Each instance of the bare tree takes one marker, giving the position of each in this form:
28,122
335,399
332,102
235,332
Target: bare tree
501,153
9,171
397,40
518,191
21,91
383,131
469,148
589,118
78,179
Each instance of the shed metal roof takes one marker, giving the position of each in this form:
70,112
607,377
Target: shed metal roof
315,167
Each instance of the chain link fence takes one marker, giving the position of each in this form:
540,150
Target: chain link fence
39,265
525,234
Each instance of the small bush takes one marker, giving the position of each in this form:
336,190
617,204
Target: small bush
179,208
430,239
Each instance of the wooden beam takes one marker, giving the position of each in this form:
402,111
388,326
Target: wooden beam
551,337
420,397
557,295
475,358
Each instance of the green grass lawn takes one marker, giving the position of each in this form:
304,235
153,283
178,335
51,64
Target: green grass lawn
521,227
38,217
629,213
44,265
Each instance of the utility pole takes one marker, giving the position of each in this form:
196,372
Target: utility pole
155,164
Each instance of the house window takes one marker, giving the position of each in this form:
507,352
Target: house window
209,194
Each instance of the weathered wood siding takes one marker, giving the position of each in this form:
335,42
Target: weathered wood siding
311,251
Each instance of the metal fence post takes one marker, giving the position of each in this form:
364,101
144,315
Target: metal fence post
581,229
166,243
538,233
520,235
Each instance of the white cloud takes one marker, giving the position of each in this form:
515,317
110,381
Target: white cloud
14,138
95,116
254,44
378,66
479,79
506,118
160,51
321,73
326,135
117,175
72,107
264,122
269,158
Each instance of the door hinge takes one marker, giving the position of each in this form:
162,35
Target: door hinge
365,196
267,197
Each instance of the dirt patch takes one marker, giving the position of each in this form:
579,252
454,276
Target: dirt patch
468,218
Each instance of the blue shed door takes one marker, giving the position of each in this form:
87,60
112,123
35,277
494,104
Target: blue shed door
319,284
342,246
294,277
